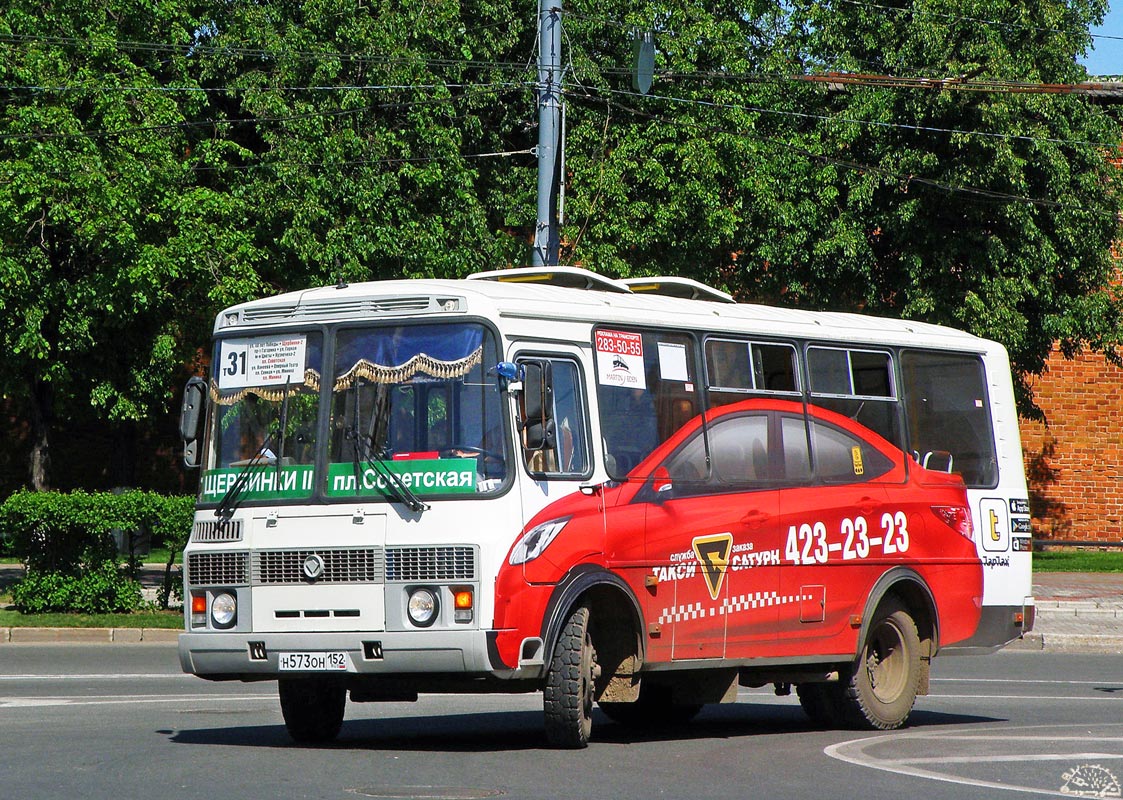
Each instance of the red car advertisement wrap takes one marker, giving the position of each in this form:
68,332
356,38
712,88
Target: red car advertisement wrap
734,546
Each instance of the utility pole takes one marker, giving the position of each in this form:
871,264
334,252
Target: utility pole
546,236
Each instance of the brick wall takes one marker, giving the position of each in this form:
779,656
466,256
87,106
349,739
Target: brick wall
1074,461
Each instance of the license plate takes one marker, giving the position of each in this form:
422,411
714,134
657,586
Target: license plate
313,662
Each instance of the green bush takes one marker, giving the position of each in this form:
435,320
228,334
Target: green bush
104,589
66,543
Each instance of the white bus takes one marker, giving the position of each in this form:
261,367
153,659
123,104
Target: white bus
635,494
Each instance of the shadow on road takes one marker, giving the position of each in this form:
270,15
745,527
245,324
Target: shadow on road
516,731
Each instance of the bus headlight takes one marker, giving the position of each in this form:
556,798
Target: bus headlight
532,543
422,607
224,610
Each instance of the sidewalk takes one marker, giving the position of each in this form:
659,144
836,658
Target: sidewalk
1076,612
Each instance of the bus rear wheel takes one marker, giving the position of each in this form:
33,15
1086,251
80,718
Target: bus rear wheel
571,684
884,680
312,707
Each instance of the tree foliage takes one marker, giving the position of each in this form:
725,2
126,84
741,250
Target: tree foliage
160,161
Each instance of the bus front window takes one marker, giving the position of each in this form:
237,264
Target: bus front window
413,405
265,396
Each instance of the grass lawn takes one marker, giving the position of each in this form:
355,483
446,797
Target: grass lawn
1078,561
139,619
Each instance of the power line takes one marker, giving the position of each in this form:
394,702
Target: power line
862,122
254,119
905,180
354,162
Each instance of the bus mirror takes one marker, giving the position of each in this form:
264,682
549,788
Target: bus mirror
194,396
537,405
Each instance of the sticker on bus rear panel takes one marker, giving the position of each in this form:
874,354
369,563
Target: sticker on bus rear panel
994,519
261,361
620,359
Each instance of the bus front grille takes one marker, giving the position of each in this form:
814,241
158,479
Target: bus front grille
273,567
431,563
341,565
218,569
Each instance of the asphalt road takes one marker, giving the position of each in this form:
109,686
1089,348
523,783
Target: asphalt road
96,721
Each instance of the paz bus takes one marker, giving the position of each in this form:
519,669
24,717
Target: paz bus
638,495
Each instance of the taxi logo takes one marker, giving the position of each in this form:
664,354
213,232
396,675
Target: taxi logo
712,553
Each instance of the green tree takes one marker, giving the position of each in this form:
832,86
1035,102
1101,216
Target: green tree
109,242
370,134
158,162
982,202
978,201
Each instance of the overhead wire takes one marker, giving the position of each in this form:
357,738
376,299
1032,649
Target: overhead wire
890,175
862,122
197,48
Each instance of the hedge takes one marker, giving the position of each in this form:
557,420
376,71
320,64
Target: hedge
66,543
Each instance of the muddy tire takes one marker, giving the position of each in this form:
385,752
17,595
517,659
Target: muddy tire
571,684
883,682
313,708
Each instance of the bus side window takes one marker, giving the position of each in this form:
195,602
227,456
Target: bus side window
842,458
566,449
858,384
736,369
658,397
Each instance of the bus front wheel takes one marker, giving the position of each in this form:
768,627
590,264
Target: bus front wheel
312,707
571,684
884,680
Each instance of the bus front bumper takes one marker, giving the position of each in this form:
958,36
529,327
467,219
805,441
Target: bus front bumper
262,656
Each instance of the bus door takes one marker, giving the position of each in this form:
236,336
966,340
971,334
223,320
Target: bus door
552,430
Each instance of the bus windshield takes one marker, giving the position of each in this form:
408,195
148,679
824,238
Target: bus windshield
413,412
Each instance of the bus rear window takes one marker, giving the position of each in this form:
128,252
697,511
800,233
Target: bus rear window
949,421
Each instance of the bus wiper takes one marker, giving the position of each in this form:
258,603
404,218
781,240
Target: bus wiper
229,502
395,488
401,492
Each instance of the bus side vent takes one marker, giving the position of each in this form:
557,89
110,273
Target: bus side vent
273,567
218,569
215,531
430,564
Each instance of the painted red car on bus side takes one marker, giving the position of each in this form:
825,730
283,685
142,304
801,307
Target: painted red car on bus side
735,543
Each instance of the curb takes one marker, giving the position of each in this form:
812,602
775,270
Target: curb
1078,643
89,635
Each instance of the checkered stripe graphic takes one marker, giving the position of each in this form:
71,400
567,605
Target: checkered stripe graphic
730,605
